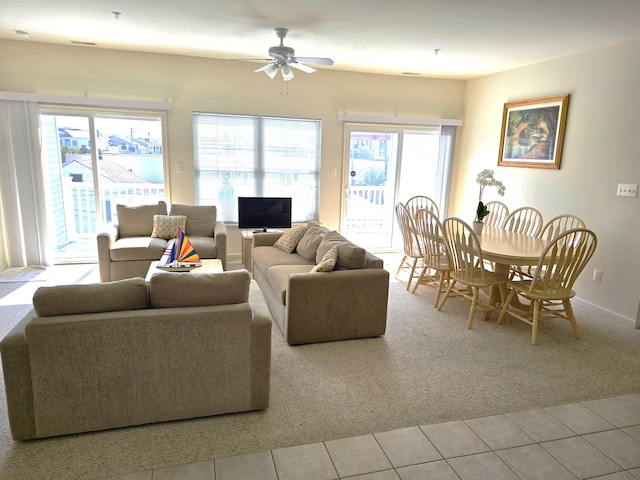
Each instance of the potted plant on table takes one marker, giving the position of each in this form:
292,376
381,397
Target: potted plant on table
485,179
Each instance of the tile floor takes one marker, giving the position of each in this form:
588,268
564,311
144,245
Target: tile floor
592,439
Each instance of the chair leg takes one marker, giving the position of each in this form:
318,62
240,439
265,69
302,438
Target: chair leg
534,323
446,294
415,287
439,288
404,258
569,311
413,269
474,302
505,305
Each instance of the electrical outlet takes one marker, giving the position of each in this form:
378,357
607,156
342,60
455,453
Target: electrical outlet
627,190
179,167
334,171
597,275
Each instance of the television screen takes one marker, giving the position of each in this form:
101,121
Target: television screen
264,212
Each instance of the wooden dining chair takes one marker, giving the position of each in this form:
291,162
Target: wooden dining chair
525,220
498,213
436,261
550,288
421,201
412,246
554,227
560,224
463,250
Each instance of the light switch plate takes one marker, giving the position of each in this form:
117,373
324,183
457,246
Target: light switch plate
627,190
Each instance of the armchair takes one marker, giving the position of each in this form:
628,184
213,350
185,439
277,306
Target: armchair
126,249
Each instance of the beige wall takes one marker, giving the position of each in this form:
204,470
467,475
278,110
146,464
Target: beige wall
600,151
198,84
600,145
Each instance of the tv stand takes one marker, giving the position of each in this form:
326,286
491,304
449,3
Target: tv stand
259,230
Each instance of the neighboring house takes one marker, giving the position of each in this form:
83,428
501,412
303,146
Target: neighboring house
79,168
135,145
73,138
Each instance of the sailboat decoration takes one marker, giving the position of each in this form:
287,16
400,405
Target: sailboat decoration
180,256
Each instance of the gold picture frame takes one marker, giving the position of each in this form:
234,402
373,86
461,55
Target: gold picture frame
533,132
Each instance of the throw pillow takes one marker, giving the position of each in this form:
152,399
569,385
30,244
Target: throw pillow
350,256
288,241
328,261
166,226
308,245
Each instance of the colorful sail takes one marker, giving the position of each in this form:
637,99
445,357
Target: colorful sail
184,250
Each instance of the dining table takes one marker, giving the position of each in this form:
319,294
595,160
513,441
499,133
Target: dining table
505,248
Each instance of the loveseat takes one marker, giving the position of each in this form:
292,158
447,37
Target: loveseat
128,352
319,286
141,233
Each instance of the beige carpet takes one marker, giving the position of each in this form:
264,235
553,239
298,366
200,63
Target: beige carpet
428,368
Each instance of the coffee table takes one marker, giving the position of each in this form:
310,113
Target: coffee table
210,265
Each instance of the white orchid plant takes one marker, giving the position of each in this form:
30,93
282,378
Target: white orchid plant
486,179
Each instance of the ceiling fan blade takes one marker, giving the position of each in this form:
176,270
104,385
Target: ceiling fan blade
264,67
303,67
315,60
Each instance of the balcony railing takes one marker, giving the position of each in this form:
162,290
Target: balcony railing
80,208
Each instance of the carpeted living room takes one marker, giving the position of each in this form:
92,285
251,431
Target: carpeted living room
427,369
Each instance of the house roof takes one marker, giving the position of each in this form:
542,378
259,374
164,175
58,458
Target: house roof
472,38
110,170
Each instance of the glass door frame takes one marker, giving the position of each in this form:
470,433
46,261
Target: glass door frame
91,114
442,175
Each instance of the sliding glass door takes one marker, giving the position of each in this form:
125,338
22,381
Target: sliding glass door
386,165
93,161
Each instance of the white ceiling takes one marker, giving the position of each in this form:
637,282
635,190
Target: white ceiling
474,37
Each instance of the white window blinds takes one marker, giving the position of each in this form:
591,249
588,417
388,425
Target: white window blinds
253,156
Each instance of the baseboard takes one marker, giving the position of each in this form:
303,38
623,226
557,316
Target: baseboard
604,311
234,257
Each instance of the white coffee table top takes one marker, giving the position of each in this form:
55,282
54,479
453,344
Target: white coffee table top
209,265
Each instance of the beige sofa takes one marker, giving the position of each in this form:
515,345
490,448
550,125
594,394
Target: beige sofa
126,249
347,302
107,355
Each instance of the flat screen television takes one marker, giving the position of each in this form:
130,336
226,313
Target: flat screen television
261,213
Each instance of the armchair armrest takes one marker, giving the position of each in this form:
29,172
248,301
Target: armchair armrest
220,234
108,235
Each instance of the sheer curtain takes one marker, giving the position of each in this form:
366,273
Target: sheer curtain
22,185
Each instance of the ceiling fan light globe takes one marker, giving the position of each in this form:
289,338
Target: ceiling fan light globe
287,74
271,71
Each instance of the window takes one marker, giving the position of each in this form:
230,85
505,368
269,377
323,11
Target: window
88,172
250,156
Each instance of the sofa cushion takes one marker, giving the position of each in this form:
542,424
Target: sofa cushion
206,247
128,294
350,256
288,241
266,257
308,245
137,248
193,289
166,226
328,261
137,221
200,218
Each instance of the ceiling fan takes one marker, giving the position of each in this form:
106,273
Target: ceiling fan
284,57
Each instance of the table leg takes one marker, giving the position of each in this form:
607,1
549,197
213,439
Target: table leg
499,295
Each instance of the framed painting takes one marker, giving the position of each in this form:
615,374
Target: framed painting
533,132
